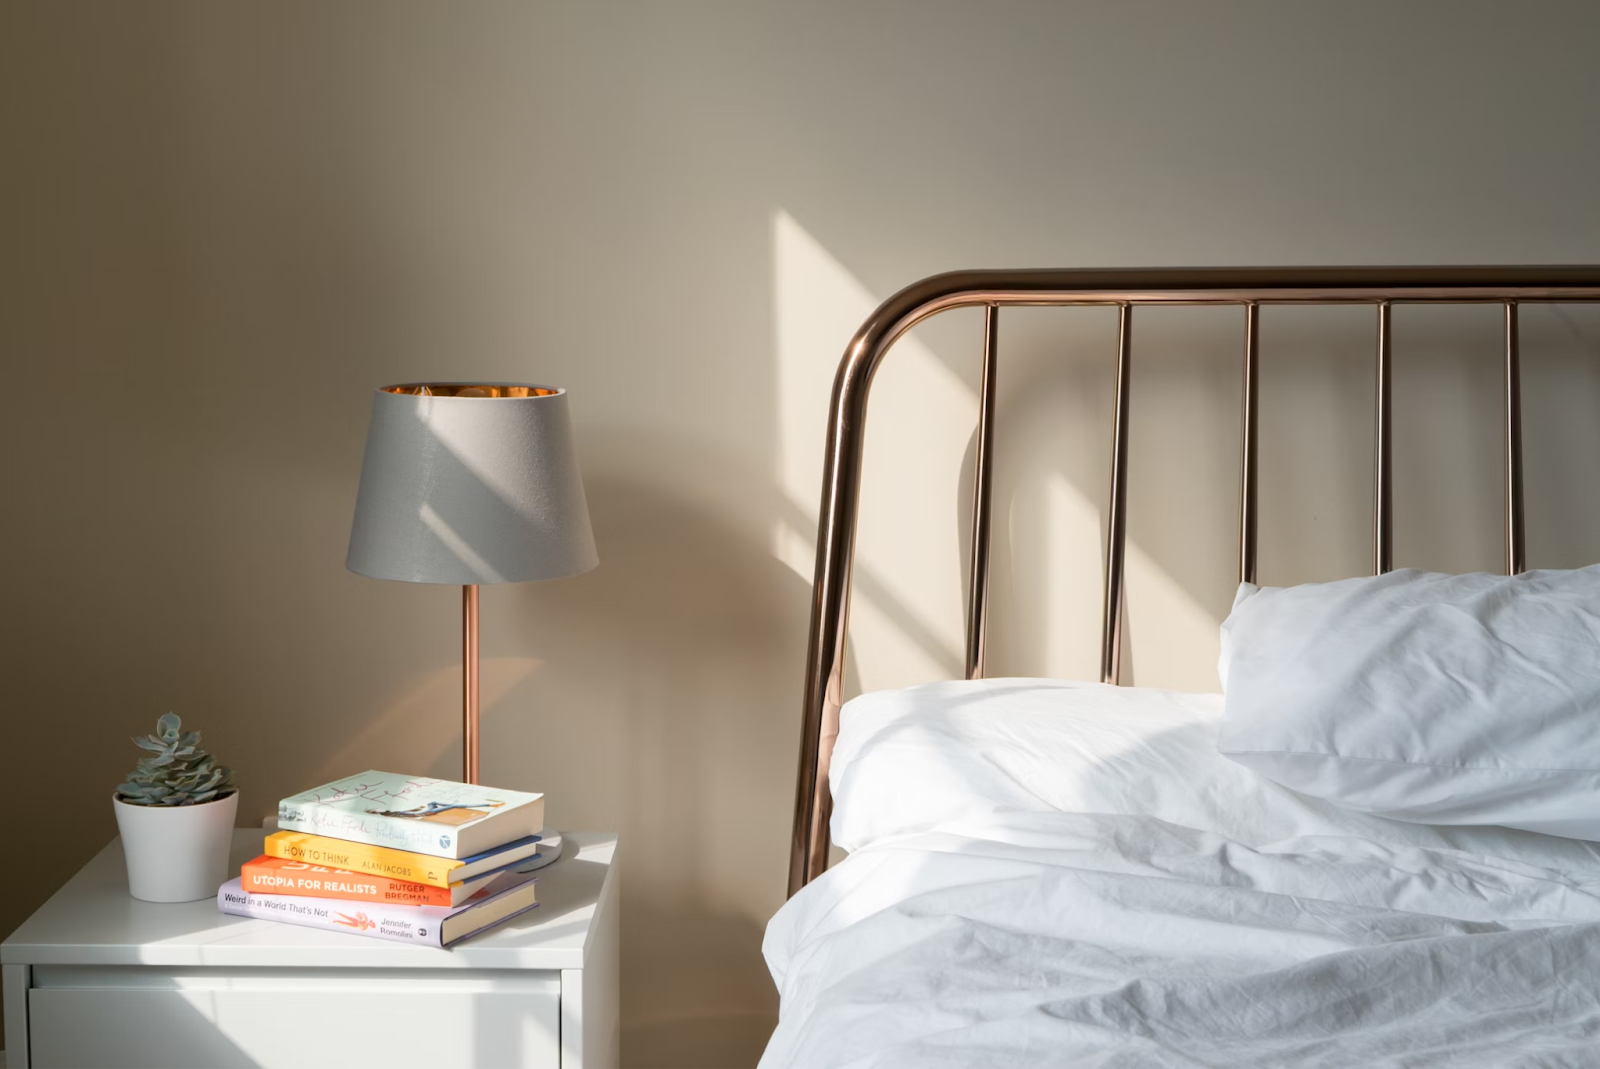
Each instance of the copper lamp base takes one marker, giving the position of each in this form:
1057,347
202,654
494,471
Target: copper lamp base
469,687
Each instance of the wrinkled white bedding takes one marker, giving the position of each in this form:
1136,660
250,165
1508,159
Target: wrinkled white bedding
1017,931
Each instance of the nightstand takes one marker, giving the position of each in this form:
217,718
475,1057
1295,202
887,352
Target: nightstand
96,977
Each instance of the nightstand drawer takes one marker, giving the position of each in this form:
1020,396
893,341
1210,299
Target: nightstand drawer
432,1019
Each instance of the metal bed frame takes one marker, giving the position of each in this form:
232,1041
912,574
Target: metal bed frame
1382,287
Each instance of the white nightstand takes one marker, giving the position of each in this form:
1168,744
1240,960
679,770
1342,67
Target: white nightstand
97,977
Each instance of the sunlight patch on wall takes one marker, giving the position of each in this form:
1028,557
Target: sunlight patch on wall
1069,645
907,604
907,607
1171,640
1177,642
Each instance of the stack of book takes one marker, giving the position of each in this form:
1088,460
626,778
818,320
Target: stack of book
398,857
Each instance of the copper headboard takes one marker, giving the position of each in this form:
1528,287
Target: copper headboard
1250,287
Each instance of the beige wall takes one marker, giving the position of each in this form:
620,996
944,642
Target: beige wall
221,225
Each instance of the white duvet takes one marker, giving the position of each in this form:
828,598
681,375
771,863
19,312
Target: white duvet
1056,874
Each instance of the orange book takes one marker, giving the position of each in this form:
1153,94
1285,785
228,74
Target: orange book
278,876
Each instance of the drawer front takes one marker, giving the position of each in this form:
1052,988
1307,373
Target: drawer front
199,1018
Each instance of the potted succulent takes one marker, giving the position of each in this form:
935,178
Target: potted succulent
175,814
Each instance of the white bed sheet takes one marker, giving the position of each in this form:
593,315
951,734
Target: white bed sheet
1038,920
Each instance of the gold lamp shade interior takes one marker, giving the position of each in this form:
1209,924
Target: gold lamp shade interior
468,389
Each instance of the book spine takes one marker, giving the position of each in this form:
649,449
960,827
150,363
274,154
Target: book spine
402,924
503,920
316,881
359,857
396,833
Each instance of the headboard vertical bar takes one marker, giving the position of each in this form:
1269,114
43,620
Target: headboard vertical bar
1516,546
1383,462
982,486
1117,523
1248,421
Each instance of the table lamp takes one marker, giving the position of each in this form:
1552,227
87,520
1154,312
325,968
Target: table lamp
470,483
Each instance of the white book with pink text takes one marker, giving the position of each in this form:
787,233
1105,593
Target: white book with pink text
436,926
415,813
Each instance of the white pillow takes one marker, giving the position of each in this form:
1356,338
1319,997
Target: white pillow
948,756
1446,699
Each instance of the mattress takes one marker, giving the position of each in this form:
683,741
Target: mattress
1047,873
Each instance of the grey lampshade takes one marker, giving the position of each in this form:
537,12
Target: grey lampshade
470,483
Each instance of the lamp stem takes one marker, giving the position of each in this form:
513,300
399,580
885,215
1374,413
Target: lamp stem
469,688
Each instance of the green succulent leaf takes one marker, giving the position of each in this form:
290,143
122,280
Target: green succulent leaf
175,771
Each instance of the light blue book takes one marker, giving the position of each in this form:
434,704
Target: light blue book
425,816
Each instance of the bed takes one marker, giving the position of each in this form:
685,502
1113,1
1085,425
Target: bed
1046,872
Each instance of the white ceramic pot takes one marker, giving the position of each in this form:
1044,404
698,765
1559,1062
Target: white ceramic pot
176,853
